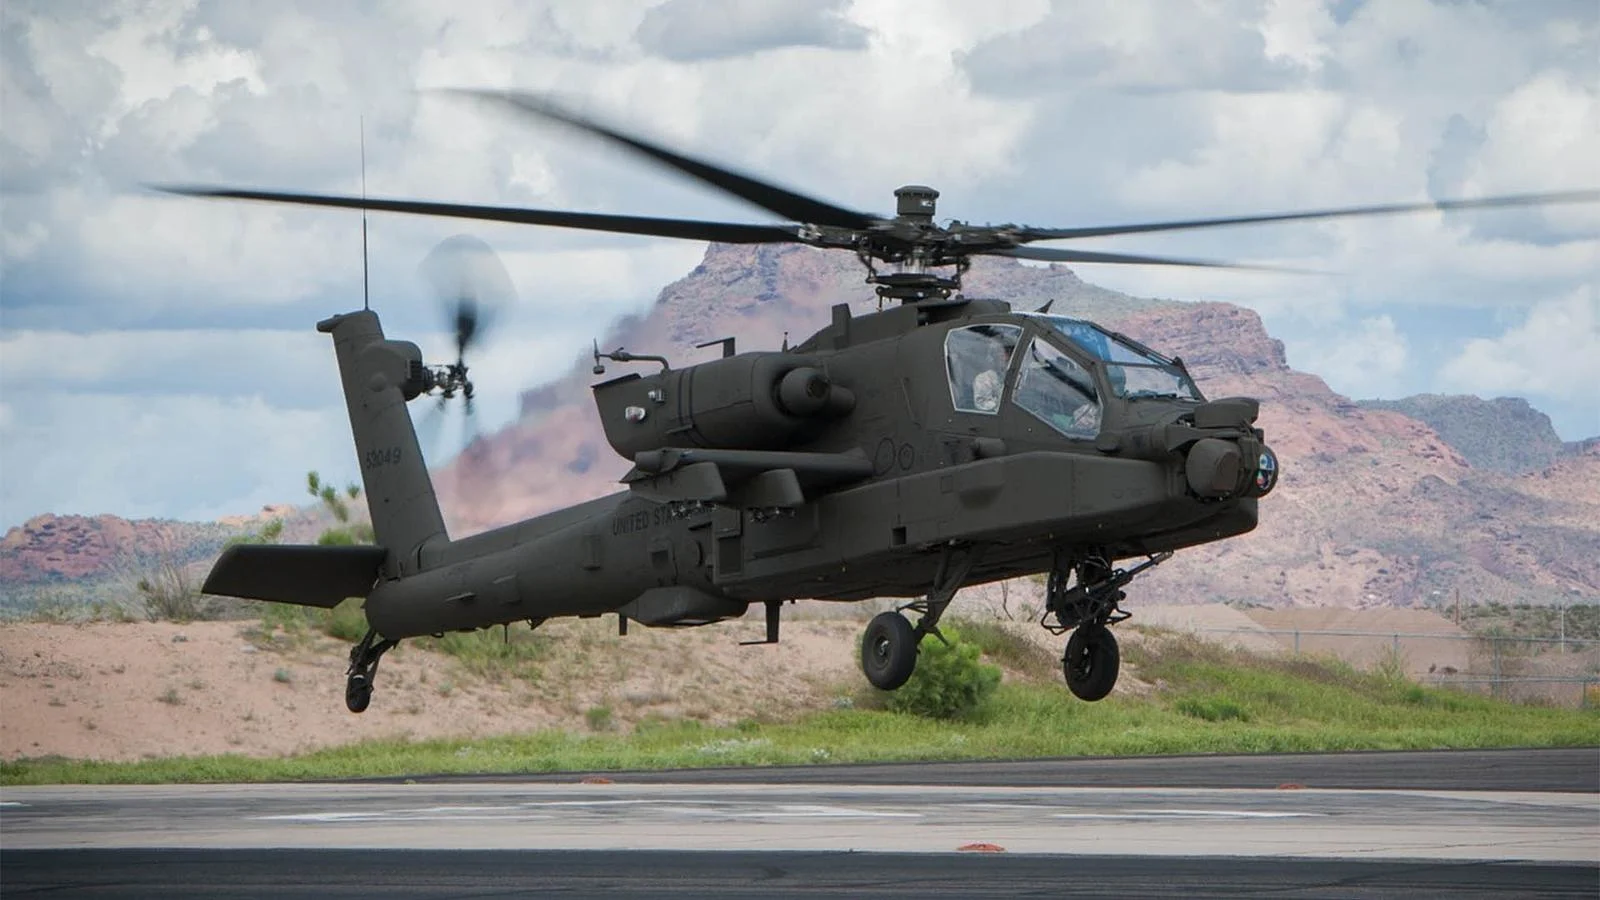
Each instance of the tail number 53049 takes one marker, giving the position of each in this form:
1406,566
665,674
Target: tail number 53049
383,456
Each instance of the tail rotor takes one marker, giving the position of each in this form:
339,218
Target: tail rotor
473,287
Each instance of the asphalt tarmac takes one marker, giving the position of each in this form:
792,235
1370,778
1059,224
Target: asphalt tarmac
1500,824
601,874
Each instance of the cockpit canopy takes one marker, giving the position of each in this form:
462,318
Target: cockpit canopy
1057,375
1131,369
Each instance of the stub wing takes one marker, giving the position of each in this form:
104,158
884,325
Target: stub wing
744,478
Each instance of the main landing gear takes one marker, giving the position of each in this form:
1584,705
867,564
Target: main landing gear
889,646
363,668
1081,596
1087,609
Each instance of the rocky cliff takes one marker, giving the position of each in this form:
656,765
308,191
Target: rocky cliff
1500,435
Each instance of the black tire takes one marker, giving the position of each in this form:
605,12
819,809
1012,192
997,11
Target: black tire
358,693
888,651
1091,661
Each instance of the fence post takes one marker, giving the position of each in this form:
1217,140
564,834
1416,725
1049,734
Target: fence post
1297,642
1495,689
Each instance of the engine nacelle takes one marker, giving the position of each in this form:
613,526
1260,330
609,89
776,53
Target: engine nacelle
753,401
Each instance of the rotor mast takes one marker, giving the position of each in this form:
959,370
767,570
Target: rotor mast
920,245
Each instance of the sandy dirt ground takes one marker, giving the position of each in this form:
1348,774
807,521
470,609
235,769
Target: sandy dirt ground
131,691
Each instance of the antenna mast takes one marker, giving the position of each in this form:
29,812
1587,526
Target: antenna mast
366,300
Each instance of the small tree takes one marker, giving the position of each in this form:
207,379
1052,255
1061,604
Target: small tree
347,621
337,503
266,534
950,681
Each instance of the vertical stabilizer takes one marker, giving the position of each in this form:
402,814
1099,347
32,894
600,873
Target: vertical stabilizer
379,377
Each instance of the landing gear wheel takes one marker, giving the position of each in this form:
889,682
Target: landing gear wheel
1091,661
358,693
888,650
363,669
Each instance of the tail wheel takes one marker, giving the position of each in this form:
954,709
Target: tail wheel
888,651
1091,661
358,693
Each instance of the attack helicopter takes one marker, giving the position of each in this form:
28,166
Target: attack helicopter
938,442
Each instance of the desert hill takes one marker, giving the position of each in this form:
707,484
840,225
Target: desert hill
65,561
1501,435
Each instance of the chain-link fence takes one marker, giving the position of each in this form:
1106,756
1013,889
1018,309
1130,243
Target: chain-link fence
1556,671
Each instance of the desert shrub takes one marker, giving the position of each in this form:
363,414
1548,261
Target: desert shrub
1390,670
950,681
56,607
513,651
169,593
600,718
347,621
1007,647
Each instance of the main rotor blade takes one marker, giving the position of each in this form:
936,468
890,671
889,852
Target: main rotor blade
788,204
1388,209
1053,254
689,229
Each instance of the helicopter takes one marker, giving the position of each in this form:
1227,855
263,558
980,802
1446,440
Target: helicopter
938,442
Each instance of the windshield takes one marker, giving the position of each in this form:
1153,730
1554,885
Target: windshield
1132,370
1057,391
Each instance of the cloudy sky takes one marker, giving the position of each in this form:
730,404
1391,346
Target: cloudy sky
157,356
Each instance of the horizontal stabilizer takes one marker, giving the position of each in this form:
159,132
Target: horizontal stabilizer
305,575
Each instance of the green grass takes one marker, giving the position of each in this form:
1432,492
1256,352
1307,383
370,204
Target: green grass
516,651
346,622
1006,646
1578,621
1212,700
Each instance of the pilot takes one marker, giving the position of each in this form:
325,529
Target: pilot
1086,419
989,383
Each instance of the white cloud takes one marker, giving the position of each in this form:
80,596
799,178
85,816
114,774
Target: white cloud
1545,132
1358,363
1554,352
291,364
687,30
157,51
1296,31
16,246
191,457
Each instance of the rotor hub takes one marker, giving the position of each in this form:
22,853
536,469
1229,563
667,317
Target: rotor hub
916,202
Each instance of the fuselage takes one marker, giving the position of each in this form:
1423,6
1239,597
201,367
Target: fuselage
1016,472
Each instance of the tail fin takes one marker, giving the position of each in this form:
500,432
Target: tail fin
379,377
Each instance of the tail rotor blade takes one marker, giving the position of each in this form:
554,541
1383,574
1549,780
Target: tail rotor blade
472,285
